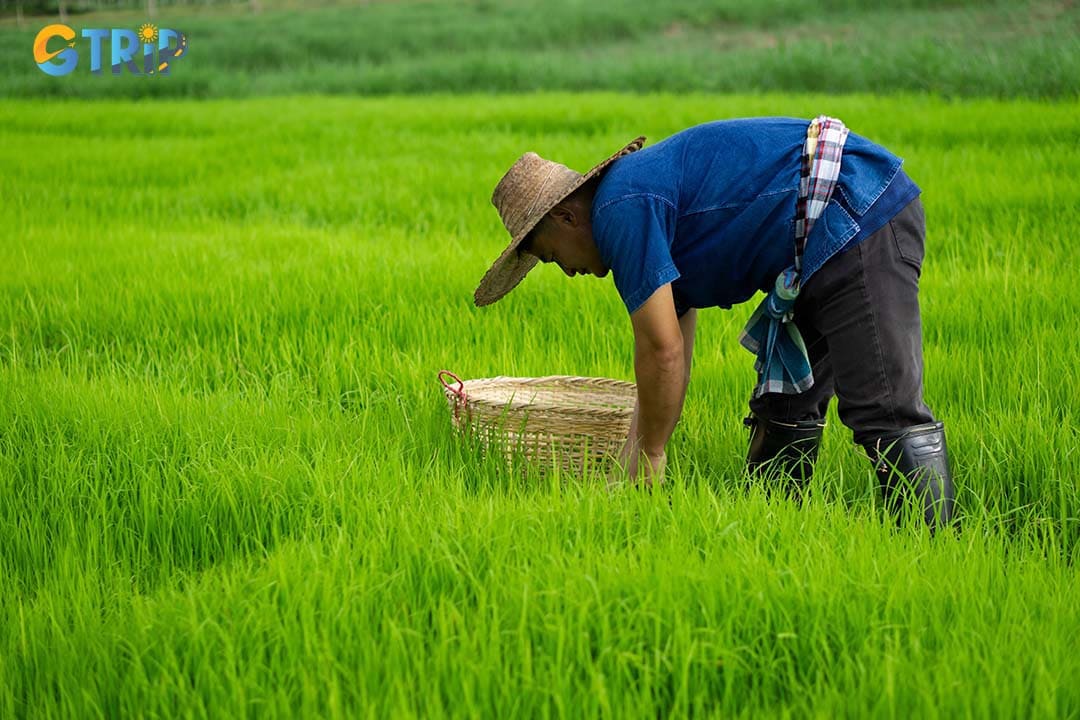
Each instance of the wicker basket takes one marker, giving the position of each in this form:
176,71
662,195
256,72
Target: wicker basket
560,420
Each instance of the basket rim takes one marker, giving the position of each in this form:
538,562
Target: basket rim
527,382
578,379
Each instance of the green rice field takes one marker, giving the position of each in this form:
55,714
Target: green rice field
228,482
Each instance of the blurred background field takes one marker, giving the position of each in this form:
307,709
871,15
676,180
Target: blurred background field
227,481
1002,48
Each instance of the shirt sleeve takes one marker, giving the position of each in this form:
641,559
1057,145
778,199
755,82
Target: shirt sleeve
633,235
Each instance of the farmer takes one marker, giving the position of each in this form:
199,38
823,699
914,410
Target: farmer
823,221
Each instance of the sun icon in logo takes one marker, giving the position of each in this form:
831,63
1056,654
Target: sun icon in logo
148,33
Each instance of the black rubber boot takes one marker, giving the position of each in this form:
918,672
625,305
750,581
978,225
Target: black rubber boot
913,466
787,449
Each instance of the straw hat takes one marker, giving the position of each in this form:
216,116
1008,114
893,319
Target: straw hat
528,190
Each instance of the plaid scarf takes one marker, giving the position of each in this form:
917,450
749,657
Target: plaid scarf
782,363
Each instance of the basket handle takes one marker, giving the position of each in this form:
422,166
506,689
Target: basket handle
458,392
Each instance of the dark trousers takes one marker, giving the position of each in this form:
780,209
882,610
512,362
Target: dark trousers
859,317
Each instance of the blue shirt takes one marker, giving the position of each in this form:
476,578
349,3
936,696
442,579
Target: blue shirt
711,210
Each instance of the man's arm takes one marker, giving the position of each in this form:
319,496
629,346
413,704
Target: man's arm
661,369
688,325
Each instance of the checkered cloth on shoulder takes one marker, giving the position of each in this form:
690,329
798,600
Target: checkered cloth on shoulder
782,363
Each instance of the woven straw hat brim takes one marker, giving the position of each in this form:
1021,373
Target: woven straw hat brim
511,267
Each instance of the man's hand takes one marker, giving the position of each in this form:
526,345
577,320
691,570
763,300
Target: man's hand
632,459
635,464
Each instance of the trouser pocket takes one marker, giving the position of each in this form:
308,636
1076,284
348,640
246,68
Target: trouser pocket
908,229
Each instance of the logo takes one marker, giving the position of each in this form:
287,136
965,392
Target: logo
146,51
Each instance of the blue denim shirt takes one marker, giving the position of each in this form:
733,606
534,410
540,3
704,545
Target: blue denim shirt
711,210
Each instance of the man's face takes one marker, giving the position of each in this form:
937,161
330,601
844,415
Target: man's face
566,239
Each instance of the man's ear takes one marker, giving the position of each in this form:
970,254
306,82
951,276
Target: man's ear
563,215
